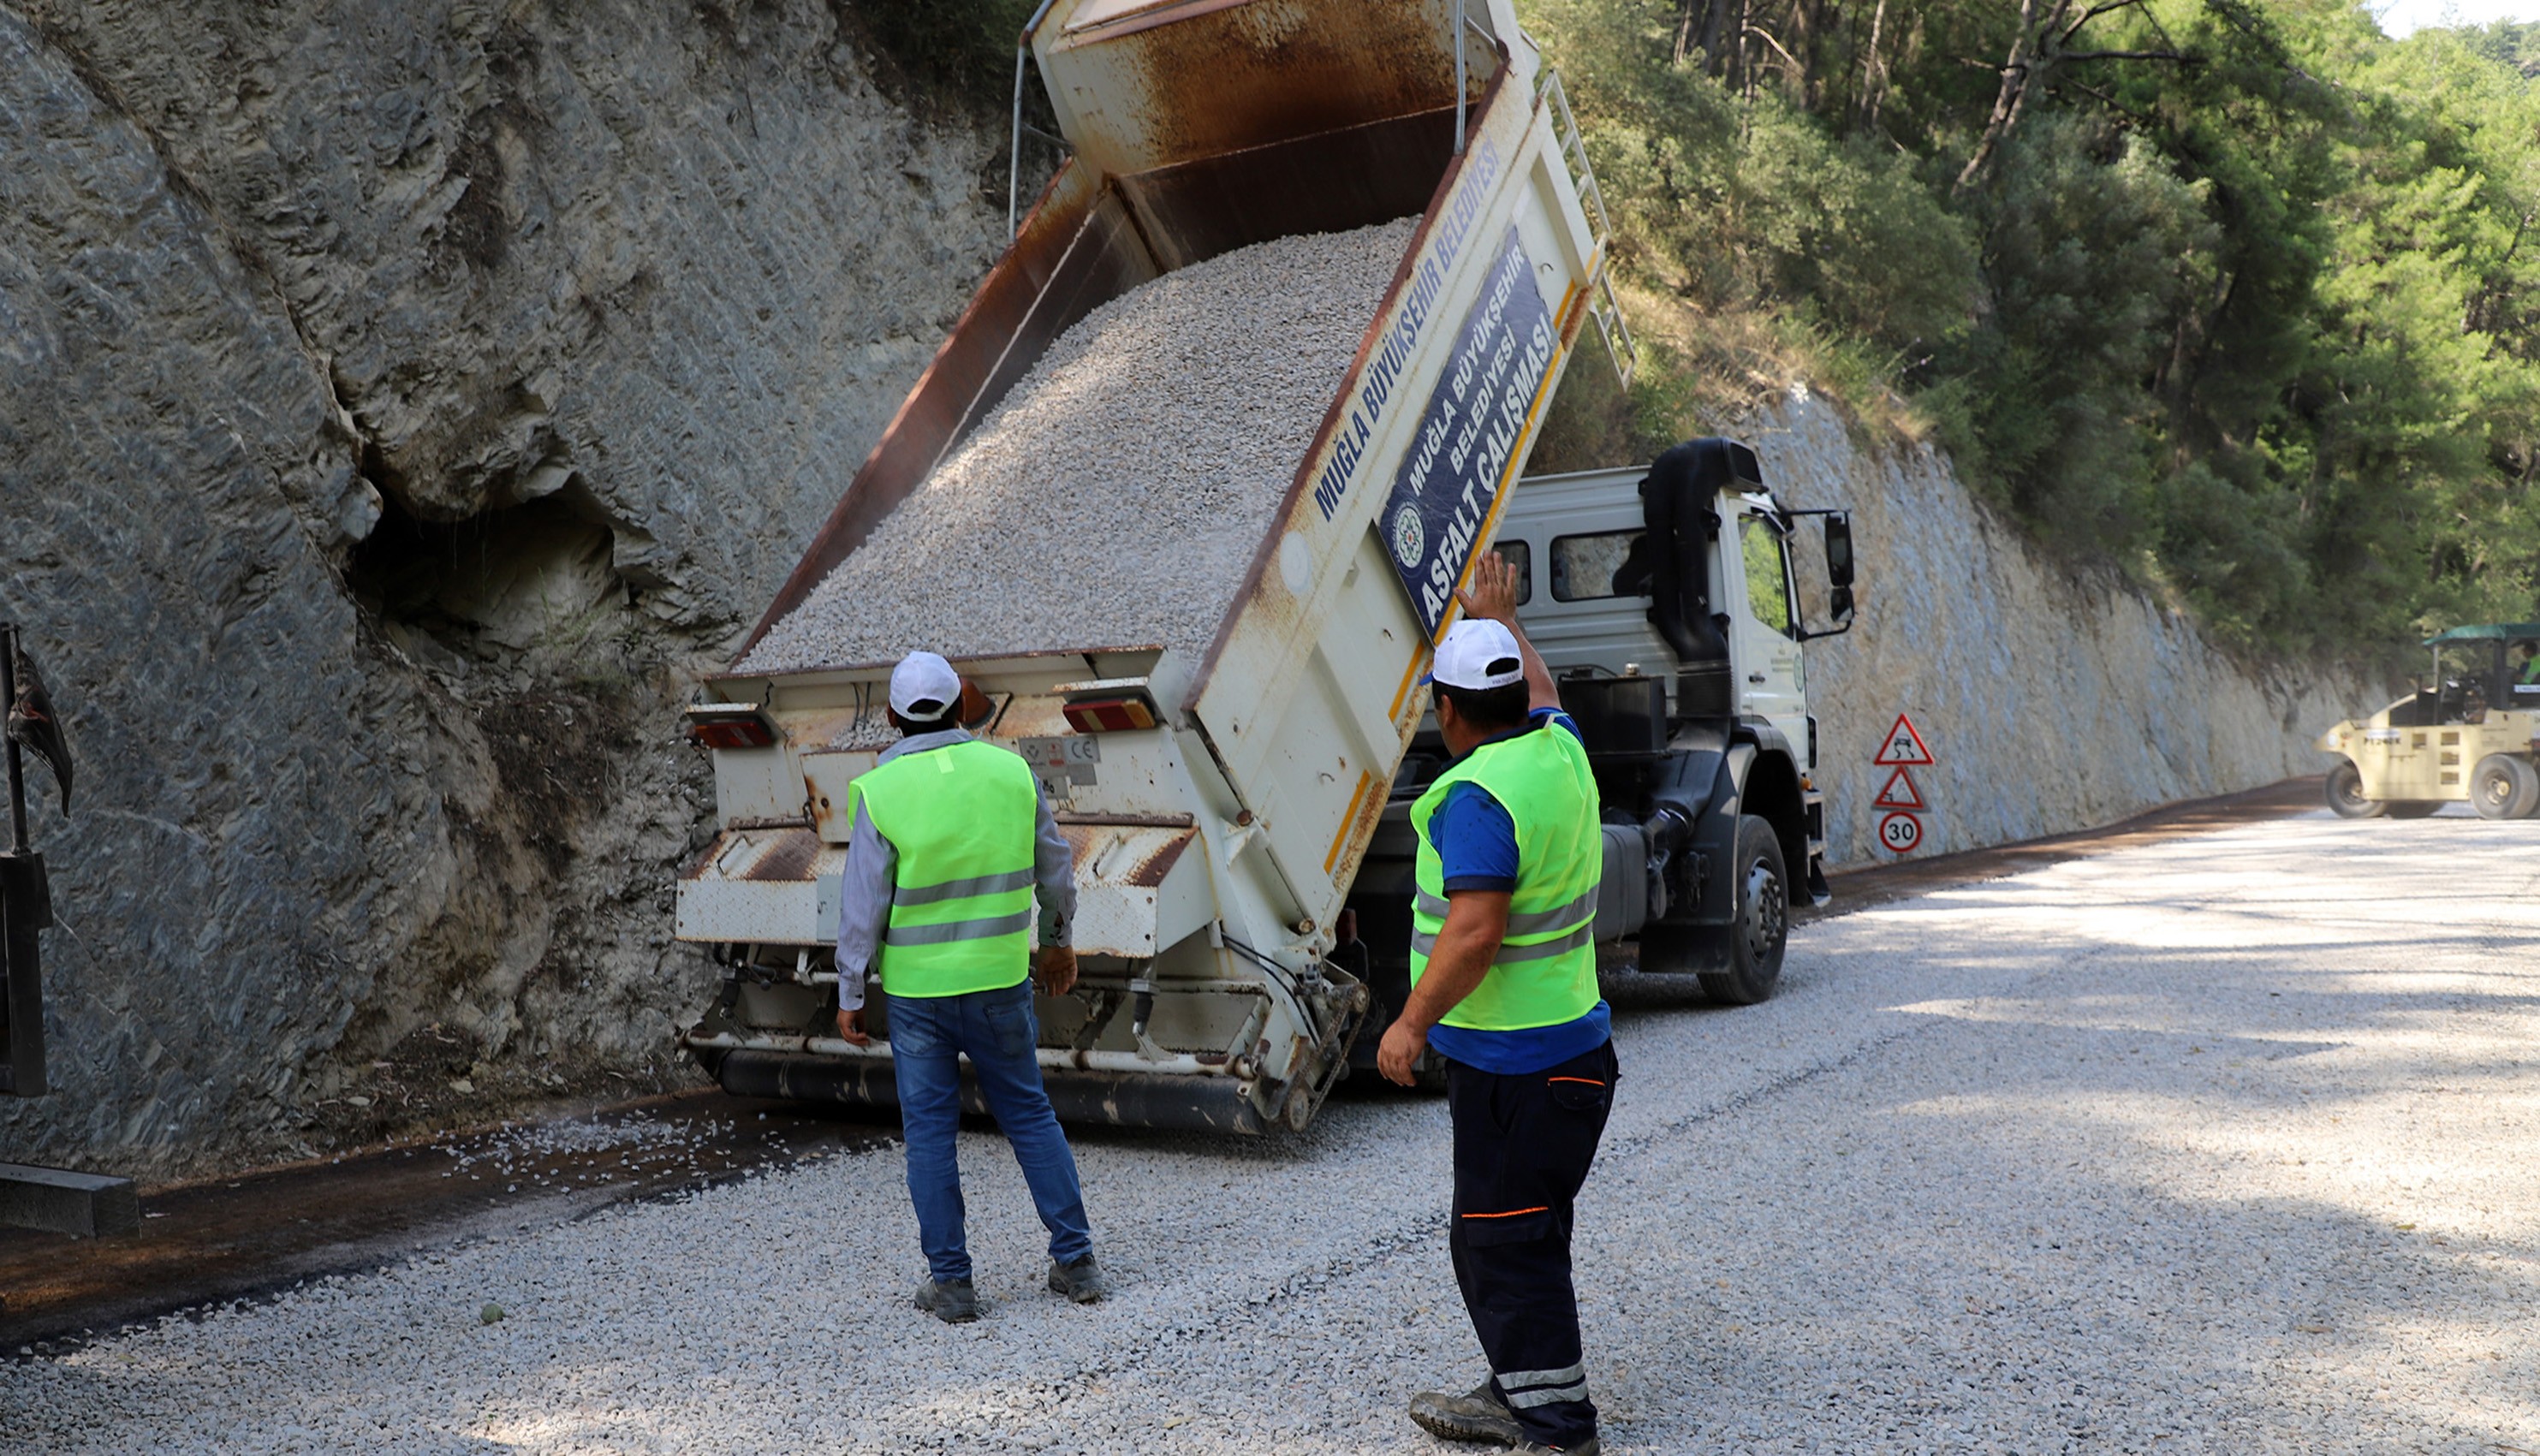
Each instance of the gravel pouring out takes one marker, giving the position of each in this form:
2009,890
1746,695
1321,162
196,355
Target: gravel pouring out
1116,496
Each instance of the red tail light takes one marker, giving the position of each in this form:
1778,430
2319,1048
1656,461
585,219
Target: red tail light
1104,715
729,726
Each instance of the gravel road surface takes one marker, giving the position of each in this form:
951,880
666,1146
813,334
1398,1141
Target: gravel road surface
2220,1144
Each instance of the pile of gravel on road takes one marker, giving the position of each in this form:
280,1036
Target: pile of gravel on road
578,1150
1116,496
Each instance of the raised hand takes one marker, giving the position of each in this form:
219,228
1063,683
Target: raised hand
1493,595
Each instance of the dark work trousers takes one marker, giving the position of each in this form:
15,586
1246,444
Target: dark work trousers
1523,1147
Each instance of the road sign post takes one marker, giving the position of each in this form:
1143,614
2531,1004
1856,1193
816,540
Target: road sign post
1900,832
53,1199
25,908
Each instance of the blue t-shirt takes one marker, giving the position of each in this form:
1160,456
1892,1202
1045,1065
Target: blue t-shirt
1477,843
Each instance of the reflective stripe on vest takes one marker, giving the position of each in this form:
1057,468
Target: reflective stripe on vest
962,821
1545,972
1584,907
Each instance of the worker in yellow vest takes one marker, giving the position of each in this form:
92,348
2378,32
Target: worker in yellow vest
1503,988
950,837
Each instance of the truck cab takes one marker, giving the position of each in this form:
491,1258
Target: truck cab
1664,600
1589,613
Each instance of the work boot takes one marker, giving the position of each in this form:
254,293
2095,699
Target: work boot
1479,1416
953,1301
1081,1282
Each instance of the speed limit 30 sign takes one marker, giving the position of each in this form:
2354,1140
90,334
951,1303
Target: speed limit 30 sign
1900,832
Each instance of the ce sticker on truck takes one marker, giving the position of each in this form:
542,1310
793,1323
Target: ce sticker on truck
1061,763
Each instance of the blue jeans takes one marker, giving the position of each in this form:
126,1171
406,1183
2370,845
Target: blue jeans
997,1031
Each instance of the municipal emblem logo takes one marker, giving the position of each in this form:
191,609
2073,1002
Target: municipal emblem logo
1408,536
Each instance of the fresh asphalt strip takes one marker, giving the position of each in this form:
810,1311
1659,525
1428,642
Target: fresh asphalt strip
253,1234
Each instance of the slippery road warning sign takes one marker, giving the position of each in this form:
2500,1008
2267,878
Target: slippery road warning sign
1900,832
1903,745
1900,792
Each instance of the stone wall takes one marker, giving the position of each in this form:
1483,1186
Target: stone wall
403,401
2053,697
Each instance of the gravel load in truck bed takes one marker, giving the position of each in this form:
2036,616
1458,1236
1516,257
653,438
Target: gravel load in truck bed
1116,495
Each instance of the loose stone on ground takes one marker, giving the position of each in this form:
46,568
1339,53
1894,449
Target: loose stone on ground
2218,1145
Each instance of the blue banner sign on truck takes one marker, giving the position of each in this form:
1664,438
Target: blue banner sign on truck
1402,340
1459,461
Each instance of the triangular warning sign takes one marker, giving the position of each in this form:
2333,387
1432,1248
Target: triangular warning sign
1900,794
1904,746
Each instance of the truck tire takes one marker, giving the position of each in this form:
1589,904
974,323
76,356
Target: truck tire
1750,959
2346,792
2503,787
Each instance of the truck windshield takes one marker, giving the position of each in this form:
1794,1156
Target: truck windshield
1588,567
1767,577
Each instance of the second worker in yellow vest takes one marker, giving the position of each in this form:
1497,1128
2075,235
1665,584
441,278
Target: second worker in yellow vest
1504,989
950,838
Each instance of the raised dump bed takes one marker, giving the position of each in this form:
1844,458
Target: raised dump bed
1059,524
1206,647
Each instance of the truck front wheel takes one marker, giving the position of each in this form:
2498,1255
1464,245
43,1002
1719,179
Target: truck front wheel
1750,962
1737,963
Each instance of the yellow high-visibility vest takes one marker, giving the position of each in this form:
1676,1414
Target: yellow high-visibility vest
961,820
1545,973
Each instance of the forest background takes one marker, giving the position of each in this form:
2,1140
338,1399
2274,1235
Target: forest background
2241,298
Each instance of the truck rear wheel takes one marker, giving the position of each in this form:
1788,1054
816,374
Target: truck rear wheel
2346,792
1751,961
2503,787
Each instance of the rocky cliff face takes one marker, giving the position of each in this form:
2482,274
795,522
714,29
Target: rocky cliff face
2054,698
403,401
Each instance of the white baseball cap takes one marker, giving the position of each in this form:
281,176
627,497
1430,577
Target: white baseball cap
1478,655
924,687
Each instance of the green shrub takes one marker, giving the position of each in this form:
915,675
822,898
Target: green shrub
2251,308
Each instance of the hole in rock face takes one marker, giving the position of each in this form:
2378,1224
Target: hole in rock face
500,583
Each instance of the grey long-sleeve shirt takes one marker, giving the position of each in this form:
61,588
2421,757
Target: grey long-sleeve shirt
864,896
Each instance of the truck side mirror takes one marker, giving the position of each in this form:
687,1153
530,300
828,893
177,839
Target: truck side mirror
1838,555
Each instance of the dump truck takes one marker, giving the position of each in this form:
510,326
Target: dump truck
2471,734
1220,801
